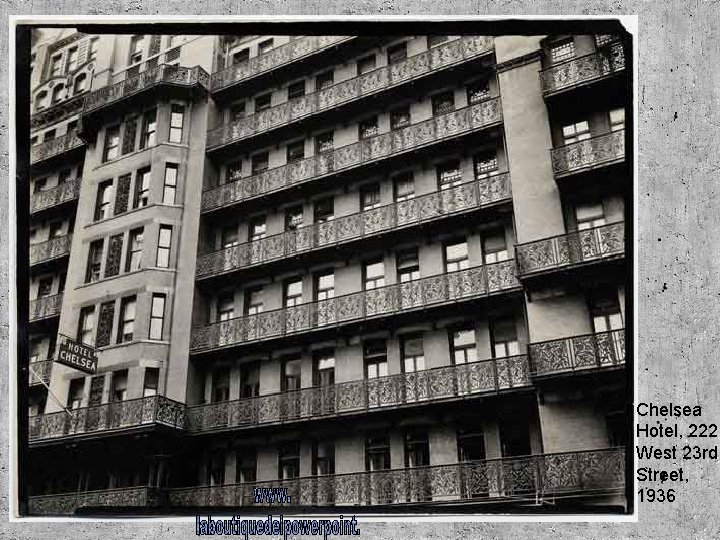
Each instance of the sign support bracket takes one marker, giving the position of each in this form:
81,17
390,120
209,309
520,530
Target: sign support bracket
50,392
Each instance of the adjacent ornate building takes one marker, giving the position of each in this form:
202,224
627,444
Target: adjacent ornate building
377,271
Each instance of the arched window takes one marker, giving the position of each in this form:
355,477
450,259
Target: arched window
80,83
41,101
58,93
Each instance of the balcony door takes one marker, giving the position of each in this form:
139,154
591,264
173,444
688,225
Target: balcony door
417,459
324,382
607,322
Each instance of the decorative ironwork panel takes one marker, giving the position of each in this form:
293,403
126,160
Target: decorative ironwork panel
65,192
607,60
114,255
48,306
586,154
128,144
122,197
105,324
577,353
54,147
52,249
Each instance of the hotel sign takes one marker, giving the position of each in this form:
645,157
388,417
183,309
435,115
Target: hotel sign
78,355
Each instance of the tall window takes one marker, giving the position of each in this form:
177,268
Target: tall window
295,151
325,286
226,307
324,142
157,316
241,56
86,326
562,50
375,359
456,256
127,319
265,47
112,143
237,111
72,60
449,174
292,293
296,90
400,117
503,335
323,368
617,119
366,64
324,210
229,236
150,382
417,453
589,215
142,188
324,80
44,287
94,263
102,202
55,229
249,380
136,49
58,93
220,385
92,50
75,395
233,171
494,246
374,274
605,310
486,164
177,117
289,461
463,346
163,251
246,469
576,132
291,374
293,218
258,228
56,65
478,91
134,255
259,163
170,185
80,84
404,187
119,385
413,355
397,53
323,456
149,125
368,128
254,301
377,453
443,103
41,100
408,266
370,196
263,102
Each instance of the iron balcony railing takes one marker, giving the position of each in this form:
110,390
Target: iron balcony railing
597,151
66,504
55,147
116,415
57,112
46,307
40,372
162,74
566,250
438,384
578,353
284,54
377,80
605,61
50,249
462,198
62,193
532,478
476,282
462,121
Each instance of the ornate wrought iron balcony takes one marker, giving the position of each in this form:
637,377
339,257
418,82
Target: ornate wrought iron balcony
583,70
40,372
433,206
472,283
162,74
519,479
591,153
57,112
55,147
571,249
118,415
383,78
578,353
279,56
462,121
66,504
65,192
46,307
362,396
51,249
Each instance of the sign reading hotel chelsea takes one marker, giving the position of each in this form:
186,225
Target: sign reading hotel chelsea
78,355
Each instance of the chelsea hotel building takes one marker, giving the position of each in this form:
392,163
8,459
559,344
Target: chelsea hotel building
380,272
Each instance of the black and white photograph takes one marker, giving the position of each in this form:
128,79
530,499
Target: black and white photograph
324,268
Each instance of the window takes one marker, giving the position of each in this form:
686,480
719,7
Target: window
39,185
449,175
463,346
605,310
237,111
263,102
86,325
257,228
324,80
72,60
136,49
41,100
170,185
408,266
56,65
370,196
296,90
324,286
404,187
142,188
92,273
58,93
55,229
44,287
157,316
147,137
216,468
265,46
589,215
471,445
226,307
373,275
233,171
478,91
92,49
119,385
291,374
289,461
413,357
366,64
443,103
576,132
292,292
163,251
259,163
246,469
249,380
112,143
494,246
64,176
434,41
49,135
293,218
127,319
177,117
254,301
562,51
617,119
61,282
295,151
229,236
417,454
456,256
324,142
503,335
220,385
368,128
75,395
241,56
323,456
397,53
324,210
377,453
323,368
150,382
400,117
375,358
485,164
102,202
134,256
